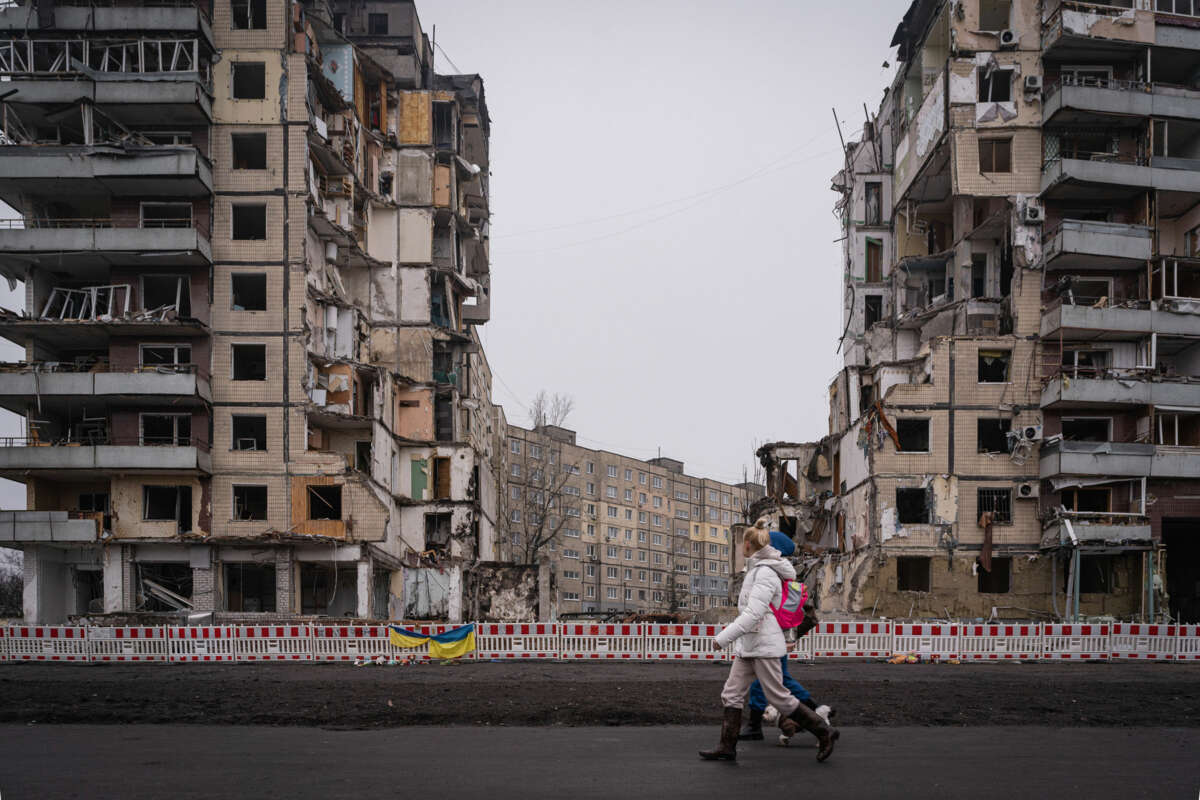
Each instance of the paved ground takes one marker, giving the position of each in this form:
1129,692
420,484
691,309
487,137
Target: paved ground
180,762
343,696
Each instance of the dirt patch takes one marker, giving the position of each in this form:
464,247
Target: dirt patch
343,696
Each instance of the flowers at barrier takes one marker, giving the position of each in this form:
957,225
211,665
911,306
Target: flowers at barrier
451,644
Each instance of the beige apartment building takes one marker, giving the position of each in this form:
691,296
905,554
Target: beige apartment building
623,535
1015,429
254,244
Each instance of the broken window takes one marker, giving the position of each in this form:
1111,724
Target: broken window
1095,574
443,419
995,155
1085,363
872,309
1006,271
441,478
164,587
377,24
249,588
165,503
1094,500
249,432
912,574
874,261
994,15
913,435
998,580
166,215
249,502
443,126
249,80
1087,429
324,502
995,86
362,457
249,291
249,221
874,202
997,501
991,435
993,366
912,506
167,429
156,355
249,362
249,15
249,150
437,529
979,275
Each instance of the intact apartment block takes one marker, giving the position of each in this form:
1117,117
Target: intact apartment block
1017,424
253,236
622,535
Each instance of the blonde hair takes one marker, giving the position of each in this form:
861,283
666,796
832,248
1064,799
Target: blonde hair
759,534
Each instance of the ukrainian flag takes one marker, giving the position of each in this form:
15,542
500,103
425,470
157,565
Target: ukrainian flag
451,644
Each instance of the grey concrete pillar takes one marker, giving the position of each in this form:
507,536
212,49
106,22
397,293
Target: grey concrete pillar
363,609
285,602
114,577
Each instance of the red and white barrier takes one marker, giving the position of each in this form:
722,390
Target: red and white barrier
600,641
682,643
851,640
129,644
203,644
370,642
1077,642
3,643
506,641
1000,642
1187,643
1135,641
935,641
47,643
273,643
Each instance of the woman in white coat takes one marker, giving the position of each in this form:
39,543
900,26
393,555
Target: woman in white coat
758,644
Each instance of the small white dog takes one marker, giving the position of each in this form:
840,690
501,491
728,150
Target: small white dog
771,717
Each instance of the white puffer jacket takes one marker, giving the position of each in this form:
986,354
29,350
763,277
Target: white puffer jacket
756,633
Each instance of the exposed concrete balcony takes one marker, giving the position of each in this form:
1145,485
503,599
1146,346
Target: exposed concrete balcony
49,526
1098,531
119,19
180,386
1078,244
145,171
1074,29
1101,176
21,456
83,246
1109,392
1118,460
1085,323
183,98
1075,102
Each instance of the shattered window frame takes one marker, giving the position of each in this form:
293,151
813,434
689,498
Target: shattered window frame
997,500
906,505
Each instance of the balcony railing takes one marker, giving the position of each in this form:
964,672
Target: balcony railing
94,223
28,58
100,365
101,439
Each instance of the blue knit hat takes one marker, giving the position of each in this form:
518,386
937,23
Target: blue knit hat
783,543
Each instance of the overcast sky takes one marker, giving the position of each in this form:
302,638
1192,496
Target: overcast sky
662,235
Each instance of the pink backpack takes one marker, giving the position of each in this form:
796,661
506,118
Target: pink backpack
791,605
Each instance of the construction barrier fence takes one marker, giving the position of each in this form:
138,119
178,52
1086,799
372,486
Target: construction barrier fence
573,641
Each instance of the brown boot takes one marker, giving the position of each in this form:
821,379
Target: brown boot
727,749
752,730
804,718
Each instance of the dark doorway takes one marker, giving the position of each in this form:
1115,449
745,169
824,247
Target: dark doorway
1182,540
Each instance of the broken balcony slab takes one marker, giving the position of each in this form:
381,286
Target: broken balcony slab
1103,532
174,171
1085,323
1067,392
118,19
48,526
25,458
184,98
1110,176
147,387
1080,244
1109,103
87,249
1118,460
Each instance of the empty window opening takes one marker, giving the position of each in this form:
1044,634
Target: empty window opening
249,588
912,574
168,503
249,432
913,435
997,501
993,366
437,529
994,15
1087,429
1088,500
329,590
249,150
89,590
166,355
872,309
995,155
441,479
1095,574
167,291
324,502
443,126
166,215
249,221
249,80
998,580
1006,271
362,457
167,137
979,275
1085,363
377,24
249,15
874,261
912,506
163,587
249,502
866,397
992,435
443,419
995,86
249,362
249,291
167,429
874,202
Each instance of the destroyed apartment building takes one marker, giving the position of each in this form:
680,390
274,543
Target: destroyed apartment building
253,238
1016,428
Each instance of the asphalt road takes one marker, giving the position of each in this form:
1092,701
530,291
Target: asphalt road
133,762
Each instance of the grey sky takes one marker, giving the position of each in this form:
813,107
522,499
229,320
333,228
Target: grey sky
693,320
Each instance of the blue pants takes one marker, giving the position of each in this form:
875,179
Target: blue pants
758,700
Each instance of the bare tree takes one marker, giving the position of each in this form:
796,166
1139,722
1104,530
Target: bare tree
548,503
11,584
550,409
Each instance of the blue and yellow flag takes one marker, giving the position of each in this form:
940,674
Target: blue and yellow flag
451,644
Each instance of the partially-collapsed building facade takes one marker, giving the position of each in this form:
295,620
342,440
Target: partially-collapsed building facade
254,244
1017,424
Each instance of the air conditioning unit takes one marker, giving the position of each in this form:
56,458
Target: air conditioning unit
1008,39
1031,433
1027,491
1033,214
1033,83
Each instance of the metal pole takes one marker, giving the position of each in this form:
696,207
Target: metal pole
1075,570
